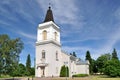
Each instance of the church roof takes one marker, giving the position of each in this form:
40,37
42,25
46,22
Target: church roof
49,15
82,62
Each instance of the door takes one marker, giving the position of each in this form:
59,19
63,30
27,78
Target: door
42,71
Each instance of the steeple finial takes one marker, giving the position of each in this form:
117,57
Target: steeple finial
49,15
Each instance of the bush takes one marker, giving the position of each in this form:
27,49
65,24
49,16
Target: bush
63,71
80,75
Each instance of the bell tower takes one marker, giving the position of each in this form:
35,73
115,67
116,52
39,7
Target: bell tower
48,47
48,30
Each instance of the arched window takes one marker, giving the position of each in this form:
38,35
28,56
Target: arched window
43,54
56,55
55,35
44,33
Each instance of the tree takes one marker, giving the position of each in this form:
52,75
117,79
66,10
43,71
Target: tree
74,54
94,66
20,71
112,68
28,65
114,54
101,61
88,57
64,71
33,71
0,65
9,53
67,73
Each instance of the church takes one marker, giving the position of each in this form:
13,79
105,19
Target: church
49,56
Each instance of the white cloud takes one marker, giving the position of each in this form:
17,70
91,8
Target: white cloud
4,23
111,35
7,10
64,11
117,13
26,35
81,51
114,38
13,11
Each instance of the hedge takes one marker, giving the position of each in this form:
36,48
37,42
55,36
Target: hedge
80,75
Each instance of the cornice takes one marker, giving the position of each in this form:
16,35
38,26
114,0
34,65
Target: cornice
48,24
47,42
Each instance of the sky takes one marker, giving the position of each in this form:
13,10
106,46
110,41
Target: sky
92,25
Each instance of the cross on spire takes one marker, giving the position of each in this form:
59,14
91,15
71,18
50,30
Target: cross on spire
49,4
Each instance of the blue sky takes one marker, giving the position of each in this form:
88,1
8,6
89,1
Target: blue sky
92,25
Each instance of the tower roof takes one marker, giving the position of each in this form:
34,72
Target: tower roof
49,15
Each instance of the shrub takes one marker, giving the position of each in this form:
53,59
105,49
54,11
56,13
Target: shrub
80,75
63,71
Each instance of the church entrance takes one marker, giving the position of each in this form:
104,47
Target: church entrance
42,71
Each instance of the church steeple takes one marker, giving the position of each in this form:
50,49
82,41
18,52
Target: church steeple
49,15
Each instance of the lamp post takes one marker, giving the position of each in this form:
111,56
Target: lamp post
66,68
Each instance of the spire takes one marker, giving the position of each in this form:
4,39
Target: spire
49,15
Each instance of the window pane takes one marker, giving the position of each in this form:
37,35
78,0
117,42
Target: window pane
44,35
43,54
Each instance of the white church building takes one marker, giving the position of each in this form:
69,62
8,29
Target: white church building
49,56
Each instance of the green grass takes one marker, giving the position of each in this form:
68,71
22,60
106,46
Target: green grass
91,77
102,77
5,76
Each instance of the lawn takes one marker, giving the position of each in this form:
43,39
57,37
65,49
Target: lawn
102,78
70,78
98,77
5,76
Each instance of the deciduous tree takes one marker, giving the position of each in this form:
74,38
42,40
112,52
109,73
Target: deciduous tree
112,68
101,61
9,53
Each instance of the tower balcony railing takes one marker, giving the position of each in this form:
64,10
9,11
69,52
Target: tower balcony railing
42,63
